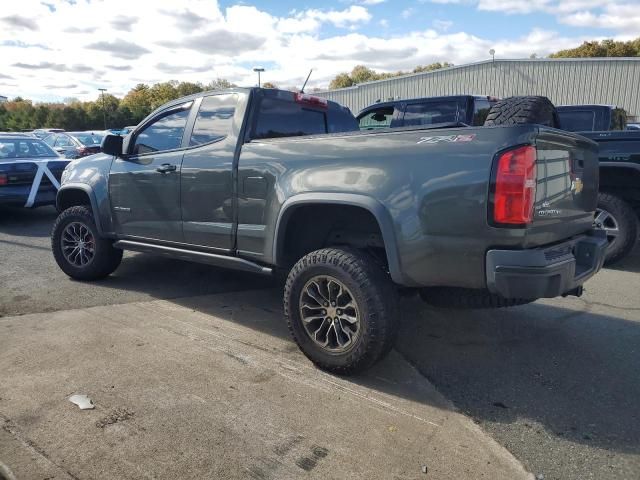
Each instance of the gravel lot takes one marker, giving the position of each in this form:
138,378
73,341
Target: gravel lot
555,382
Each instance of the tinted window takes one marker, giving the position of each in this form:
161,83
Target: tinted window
214,119
576,120
378,118
280,118
165,133
431,112
480,111
27,148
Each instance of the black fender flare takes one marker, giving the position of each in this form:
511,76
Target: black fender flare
92,199
379,212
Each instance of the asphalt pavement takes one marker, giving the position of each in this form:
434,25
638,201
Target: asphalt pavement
555,382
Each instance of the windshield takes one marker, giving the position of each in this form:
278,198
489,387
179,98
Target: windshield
89,139
24,148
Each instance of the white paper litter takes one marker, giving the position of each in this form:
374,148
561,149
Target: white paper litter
82,401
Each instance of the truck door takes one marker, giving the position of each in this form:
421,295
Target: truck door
207,181
145,186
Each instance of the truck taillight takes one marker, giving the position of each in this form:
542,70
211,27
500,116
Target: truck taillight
515,186
4,180
311,100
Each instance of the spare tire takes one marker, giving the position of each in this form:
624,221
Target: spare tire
523,110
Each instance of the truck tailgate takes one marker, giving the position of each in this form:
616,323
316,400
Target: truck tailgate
567,186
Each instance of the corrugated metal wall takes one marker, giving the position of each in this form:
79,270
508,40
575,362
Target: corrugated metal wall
614,81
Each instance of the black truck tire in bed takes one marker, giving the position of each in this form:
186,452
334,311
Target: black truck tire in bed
523,110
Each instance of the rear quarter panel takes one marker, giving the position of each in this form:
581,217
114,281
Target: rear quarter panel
435,190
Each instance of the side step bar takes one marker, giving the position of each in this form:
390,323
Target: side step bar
224,261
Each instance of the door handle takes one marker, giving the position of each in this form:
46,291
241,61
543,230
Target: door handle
166,167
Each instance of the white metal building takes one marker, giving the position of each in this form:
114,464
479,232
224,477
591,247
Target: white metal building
566,81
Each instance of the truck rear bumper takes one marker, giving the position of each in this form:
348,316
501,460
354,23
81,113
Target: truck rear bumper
546,272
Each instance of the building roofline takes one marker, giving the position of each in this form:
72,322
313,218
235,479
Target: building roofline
483,62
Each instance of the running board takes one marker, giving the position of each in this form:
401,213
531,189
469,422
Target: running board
192,256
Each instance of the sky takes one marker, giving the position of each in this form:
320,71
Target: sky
57,49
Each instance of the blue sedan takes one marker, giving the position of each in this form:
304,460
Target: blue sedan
30,171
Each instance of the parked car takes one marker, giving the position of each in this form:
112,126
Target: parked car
467,109
619,155
44,132
267,181
127,130
75,144
633,126
30,171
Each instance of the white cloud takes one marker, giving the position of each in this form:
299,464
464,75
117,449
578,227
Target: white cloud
407,12
442,25
78,48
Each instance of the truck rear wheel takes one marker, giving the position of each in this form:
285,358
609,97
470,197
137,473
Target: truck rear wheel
78,249
341,309
523,110
620,222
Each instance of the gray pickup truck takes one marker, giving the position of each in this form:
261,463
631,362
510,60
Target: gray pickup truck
270,181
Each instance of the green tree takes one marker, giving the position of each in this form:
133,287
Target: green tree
605,48
342,80
219,84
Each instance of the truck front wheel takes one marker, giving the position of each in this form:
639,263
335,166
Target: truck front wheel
78,249
341,309
620,222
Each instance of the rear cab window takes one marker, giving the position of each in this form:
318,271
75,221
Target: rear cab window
430,113
285,114
577,120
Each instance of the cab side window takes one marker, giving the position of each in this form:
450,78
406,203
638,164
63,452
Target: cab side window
214,119
164,133
480,112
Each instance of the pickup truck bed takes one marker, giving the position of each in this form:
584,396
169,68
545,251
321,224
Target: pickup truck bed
503,212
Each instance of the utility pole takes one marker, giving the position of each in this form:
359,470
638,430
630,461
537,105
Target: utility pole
258,70
104,107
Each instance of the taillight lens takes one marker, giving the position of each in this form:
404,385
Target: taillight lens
515,187
3,179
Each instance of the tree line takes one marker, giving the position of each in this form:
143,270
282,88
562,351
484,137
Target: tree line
72,114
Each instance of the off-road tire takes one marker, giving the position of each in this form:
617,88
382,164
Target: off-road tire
523,110
373,291
467,298
106,258
628,227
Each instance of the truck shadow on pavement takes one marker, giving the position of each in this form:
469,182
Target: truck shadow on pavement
563,373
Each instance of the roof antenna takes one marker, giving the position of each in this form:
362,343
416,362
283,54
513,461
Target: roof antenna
305,82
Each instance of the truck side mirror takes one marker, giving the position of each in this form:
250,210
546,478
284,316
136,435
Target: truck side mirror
112,145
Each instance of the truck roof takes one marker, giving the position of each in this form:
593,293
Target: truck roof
282,94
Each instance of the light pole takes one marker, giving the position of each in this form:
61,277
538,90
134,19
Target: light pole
258,69
104,108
